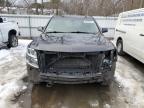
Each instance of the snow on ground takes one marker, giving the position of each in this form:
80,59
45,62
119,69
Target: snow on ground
132,81
12,70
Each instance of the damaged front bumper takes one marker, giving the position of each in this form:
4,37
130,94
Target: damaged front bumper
72,68
71,79
66,79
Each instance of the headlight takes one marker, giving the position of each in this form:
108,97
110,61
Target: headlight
32,53
31,57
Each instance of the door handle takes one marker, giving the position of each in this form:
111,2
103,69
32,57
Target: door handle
141,34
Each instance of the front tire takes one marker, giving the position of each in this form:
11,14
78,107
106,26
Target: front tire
13,41
120,47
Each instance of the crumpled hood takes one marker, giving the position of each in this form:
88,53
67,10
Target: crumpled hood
67,42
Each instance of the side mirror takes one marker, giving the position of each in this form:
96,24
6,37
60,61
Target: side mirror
104,30
41,29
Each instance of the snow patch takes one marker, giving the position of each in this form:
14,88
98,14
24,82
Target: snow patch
8,92
12,70
131,81
4,56
4,53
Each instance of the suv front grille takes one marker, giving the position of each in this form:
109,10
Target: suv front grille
51,62
72,63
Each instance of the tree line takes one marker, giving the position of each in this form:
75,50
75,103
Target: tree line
101,7
82,7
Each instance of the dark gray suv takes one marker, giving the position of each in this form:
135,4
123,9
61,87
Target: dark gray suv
71,50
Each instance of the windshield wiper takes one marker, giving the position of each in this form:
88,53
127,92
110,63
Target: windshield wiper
55,32
82,32
71,32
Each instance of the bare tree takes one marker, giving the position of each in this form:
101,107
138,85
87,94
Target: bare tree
5,3
86,4
36,6
81,7
142,4
1,4
42,7
55,4
132,4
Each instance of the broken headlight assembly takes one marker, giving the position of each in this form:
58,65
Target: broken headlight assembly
110,57
31,57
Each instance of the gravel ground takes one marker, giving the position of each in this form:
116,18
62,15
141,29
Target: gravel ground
127,90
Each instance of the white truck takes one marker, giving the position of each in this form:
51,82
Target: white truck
9,32
129,34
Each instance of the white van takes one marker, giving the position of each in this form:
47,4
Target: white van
129,34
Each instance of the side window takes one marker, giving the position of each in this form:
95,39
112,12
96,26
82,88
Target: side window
1,20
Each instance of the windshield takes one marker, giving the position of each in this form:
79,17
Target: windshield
72,25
